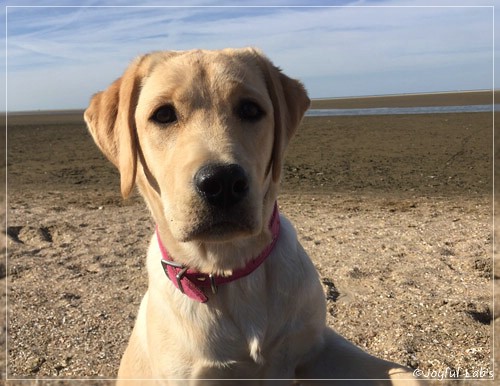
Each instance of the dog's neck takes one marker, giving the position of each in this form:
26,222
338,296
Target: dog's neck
192,282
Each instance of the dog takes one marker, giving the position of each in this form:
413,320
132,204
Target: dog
232,294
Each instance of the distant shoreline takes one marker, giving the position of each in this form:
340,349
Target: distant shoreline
449,98
406,94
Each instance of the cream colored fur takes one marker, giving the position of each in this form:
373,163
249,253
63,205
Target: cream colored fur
270,324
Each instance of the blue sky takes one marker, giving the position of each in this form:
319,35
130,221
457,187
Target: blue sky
57,57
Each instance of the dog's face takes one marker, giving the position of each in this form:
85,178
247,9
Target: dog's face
205,126
203,133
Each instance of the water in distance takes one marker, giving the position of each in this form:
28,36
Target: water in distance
403,110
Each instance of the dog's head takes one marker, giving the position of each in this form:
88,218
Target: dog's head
203,133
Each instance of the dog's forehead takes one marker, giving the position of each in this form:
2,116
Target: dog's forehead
231,63
212,70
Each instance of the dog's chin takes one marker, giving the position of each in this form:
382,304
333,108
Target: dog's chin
203,224
219,231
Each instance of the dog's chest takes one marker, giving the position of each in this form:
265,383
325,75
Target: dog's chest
240,322
246,343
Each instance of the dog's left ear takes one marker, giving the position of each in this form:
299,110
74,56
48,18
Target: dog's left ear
110,119
290,102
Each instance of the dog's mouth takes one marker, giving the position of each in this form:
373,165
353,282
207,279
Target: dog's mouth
212,225
220,228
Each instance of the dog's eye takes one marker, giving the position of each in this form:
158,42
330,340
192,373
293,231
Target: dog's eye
249,111
165,114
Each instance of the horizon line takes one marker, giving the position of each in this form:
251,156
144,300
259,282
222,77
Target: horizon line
77,109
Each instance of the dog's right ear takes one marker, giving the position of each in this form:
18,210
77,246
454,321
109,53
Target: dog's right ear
110,119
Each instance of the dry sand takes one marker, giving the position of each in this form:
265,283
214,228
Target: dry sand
395,212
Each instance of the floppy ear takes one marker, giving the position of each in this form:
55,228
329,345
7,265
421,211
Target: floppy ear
110,120
290,102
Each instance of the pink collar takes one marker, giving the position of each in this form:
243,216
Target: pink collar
191,282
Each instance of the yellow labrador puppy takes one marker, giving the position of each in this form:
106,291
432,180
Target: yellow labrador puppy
232,294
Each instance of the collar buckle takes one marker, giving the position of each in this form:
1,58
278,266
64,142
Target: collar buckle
178,275
213,285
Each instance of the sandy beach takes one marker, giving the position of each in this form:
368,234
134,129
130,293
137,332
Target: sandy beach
395,212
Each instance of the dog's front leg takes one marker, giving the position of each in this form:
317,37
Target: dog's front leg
338,359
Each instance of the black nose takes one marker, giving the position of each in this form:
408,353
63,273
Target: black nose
221,185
